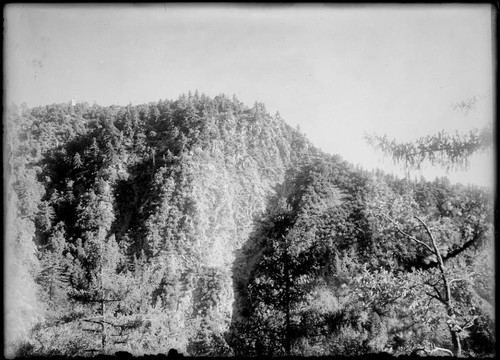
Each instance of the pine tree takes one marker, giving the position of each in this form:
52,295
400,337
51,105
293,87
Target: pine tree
443,149
53,277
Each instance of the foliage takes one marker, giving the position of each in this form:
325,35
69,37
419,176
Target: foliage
444,149
106,209
287,258
362,271
214,228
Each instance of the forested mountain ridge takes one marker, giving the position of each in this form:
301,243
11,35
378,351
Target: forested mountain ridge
203,225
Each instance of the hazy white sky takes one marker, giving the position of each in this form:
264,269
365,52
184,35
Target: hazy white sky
336,71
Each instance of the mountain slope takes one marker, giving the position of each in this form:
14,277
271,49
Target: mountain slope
192,224
174,183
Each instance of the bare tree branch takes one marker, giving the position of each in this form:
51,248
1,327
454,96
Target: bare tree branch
434,296
438,295
440,261
396,225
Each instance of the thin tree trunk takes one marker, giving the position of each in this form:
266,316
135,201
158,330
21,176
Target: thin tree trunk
455,339
103,336
447,300
287,302
103,308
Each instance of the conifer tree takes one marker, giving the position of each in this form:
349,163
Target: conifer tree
443,149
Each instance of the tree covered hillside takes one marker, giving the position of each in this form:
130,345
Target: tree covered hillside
348,263
217,229
126,218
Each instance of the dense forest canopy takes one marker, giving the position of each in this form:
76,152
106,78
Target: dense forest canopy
215,228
